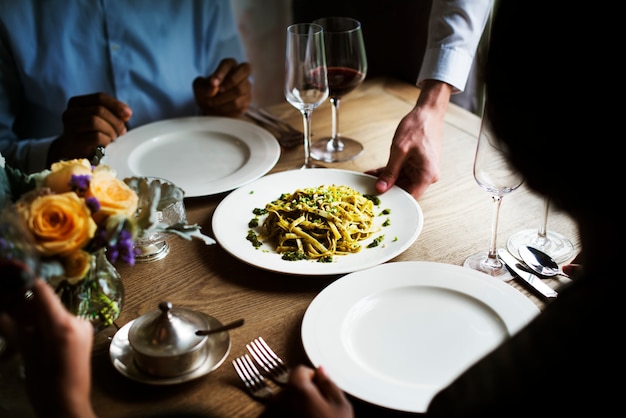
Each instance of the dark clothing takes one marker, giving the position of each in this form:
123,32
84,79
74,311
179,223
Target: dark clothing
564,363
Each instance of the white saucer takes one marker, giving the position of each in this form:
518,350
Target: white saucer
122,357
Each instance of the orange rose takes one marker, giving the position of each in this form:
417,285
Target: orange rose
60,223
115,197
76,265
61,174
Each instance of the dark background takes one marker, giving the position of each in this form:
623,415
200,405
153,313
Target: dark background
394,31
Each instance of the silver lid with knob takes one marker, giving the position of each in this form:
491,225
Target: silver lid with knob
165,343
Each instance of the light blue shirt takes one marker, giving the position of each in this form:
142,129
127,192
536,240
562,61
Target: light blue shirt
454,31
145,53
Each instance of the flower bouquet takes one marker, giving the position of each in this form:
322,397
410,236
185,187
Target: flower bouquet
80,219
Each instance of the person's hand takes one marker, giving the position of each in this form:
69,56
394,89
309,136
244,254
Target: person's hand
226,92
89,121
310,394
56,352
416,146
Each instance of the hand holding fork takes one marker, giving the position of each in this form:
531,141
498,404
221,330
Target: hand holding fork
252,378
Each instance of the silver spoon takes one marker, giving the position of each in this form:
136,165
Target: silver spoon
540,262
230,325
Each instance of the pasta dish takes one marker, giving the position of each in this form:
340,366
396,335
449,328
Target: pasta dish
319,222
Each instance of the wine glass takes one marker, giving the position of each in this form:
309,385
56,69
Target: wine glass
493,174
306,83
552,243
347,67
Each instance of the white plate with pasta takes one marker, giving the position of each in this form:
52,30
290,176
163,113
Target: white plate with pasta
357,230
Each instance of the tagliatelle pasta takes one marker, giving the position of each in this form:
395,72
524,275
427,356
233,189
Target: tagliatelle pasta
319,222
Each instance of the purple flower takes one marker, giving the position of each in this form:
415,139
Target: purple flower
126,247
100,238
80,183
7,248
126,238
123,249
5,244
129,257
112,253
93,204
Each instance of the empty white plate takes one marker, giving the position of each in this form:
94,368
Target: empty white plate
395,334
204,155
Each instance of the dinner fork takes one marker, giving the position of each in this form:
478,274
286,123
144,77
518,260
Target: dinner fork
287,135
286,126
268,360
252,377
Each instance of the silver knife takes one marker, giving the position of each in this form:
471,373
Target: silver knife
530,278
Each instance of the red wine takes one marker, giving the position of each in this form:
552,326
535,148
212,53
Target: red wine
342,80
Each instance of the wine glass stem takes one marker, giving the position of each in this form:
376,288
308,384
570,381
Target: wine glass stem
306,120
543,228
337,144
492,254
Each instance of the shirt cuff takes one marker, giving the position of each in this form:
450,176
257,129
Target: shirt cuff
447,65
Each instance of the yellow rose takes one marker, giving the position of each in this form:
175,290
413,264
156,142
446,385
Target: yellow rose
61,174
76,265
60,223
114,196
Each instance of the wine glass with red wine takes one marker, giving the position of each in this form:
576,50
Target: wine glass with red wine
346,68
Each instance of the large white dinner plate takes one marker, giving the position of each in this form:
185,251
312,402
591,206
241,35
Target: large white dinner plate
395,334
203,155
231,217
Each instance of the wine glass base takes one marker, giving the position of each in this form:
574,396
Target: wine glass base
554,244
311,164
493,267
324,150
152,252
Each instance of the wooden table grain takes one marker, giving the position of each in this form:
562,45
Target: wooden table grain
457,223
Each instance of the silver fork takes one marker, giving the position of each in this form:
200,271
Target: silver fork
287,135
252,378
268,360
286,126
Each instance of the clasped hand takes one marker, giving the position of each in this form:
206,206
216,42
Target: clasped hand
96,120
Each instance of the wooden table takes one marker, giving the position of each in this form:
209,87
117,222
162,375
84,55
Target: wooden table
205,278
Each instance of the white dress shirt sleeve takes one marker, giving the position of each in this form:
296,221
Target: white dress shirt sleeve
454,31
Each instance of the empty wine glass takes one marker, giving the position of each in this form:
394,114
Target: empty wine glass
347,67
494,175
552,243
306,83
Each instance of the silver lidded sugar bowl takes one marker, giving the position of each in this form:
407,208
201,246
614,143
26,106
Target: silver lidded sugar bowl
164,341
